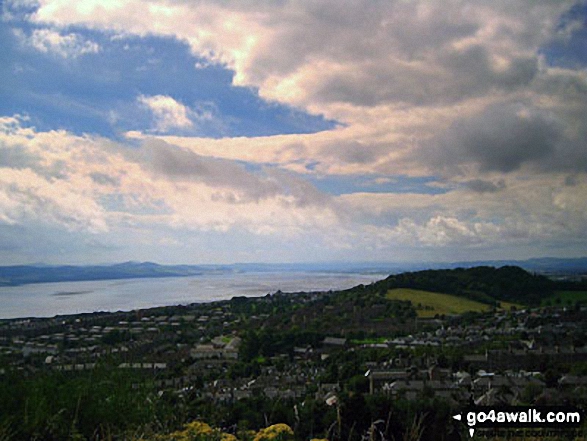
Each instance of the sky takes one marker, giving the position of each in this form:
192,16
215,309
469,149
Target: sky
180,131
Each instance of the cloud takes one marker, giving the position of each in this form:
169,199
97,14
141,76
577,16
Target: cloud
155,190
541,131
308,52
171,116
103,186
406,78
167,112
449,76
571,181
500,138
25,197
240,185
105,179
16,157
459,93
63,45
441,231
352,152
481,186
527,212
179,164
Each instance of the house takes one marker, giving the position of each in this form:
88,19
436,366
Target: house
241,394
378,378
572,381
497,397
205,351
412,389
335,342
230,350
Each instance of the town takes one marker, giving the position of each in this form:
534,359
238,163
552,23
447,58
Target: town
328,364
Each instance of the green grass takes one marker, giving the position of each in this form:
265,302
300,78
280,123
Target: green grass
566,298
506,306
428,303
369,341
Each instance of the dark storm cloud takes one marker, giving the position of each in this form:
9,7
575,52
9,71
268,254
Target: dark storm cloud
447,77
501,138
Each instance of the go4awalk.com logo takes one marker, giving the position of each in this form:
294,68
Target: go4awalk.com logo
545,417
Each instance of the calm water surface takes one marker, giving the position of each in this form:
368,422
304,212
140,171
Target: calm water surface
50,299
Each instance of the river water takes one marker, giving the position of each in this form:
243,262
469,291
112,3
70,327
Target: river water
50,299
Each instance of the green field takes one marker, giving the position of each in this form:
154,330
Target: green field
566,298
428,303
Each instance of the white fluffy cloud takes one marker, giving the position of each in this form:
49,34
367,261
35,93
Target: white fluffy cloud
93,184
406,78
69,45
167,112
158,191
315,53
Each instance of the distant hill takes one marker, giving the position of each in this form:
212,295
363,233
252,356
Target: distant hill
39,273
483,284
542,265
23,274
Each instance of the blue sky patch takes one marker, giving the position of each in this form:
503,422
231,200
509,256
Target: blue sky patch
98,91
344,184
570,52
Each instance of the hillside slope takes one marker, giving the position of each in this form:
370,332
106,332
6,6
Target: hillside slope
482,284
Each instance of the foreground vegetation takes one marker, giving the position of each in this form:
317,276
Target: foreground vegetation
104,405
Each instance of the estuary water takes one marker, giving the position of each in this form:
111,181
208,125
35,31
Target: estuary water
50,299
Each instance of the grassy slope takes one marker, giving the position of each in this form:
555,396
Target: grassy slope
436,303
566,297
480,284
